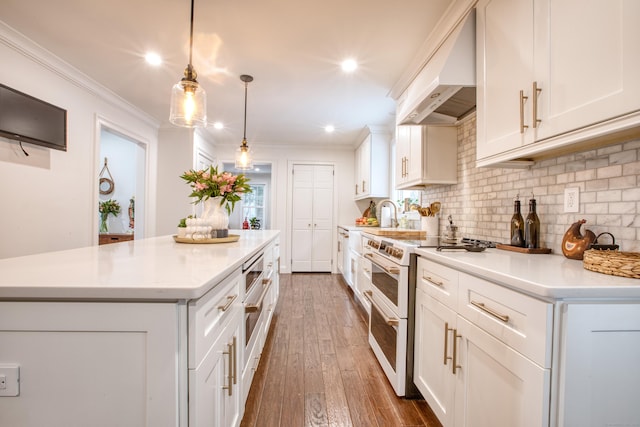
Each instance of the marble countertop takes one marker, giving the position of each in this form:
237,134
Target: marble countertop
146,269
547,276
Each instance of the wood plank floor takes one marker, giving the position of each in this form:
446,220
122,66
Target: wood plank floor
317,368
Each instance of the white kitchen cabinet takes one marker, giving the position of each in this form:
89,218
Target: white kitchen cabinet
482,351
215,355
496,385
432,364
599,365
93,363
554,73
426,155
312,210
372,165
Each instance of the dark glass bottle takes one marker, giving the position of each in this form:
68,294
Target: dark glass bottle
517,226
532,227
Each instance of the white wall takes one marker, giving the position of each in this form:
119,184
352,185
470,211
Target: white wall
49,200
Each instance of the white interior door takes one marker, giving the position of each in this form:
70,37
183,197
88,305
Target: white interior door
312,213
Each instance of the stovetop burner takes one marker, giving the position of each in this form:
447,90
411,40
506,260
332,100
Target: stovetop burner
441,242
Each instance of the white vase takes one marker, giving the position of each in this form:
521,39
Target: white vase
215,213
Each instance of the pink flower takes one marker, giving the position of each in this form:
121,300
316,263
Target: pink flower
200,186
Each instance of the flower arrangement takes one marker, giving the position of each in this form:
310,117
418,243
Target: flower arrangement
105,208
209,182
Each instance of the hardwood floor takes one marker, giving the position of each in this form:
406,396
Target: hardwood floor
317,368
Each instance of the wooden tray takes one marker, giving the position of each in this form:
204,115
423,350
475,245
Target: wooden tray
228,239
523,250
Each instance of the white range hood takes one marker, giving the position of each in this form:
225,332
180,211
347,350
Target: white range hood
444,91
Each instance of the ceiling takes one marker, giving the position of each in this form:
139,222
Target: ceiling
292,48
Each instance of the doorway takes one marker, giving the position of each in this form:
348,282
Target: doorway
255,207
122,178
312,218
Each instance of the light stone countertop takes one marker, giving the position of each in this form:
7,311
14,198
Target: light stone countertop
146,269
550,277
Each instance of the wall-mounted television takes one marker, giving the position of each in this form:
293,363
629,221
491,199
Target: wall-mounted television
28,119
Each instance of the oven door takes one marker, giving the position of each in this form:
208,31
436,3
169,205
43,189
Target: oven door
255,313
392,283
388,340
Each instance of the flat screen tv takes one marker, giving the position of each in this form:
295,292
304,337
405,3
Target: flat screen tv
27,119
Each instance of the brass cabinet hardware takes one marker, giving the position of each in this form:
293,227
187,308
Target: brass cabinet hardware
432,280
251,308
235,360
522,100
391,321
363,187
481,306
454,365
356,189
535,94
230,300
229,353
446,342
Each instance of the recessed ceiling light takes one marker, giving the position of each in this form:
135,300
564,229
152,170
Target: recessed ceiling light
349,65
153,59
329,128
218,125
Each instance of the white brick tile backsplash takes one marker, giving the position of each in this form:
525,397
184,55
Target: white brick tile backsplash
481,202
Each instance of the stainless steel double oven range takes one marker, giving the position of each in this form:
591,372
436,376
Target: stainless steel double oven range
392,293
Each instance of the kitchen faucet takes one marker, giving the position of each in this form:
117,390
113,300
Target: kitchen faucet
394,222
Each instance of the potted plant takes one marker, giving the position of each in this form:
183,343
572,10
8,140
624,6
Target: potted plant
255,223
105,208
182,227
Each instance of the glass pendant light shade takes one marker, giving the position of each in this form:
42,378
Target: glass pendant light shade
243,157
188,104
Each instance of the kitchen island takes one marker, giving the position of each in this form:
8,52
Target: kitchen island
147,333
527,340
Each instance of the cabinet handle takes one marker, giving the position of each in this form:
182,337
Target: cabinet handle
356,189
431,280
454,365
404,167
490,311
235,360
522,100
229,353
339,248
446,342
391,270
363,187
535,93
230,300
391,321
250,308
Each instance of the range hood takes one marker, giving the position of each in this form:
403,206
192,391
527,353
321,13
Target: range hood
444,91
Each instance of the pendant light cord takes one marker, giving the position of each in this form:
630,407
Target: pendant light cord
191,36
244,134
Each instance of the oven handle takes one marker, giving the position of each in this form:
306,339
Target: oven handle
390,270
391,321
252,308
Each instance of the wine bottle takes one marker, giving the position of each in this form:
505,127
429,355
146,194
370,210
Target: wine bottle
517,225
532,227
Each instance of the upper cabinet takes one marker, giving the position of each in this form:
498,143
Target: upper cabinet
554,73
372,165
426,155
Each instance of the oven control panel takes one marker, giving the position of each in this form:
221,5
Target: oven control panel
388,249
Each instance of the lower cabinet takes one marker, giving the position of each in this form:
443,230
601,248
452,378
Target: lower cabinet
482,352
599,370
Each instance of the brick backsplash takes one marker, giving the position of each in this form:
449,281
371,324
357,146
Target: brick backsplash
481,204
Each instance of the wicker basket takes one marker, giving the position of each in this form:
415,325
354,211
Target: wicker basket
615,263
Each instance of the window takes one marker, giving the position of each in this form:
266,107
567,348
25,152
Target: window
253,204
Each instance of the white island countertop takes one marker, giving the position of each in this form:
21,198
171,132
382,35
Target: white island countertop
147,269
547,276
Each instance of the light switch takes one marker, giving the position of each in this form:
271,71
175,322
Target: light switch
9,380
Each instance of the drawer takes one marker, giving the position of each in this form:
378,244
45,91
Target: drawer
438,281
522,322
209,315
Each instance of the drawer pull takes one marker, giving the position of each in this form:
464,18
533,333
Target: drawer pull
230,300
391,321
388,269
251,308
432,280
446,339
454,365
481,306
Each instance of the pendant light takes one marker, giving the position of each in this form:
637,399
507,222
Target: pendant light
188,99
243,154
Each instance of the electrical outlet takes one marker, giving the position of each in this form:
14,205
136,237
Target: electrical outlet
572,199
9,380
